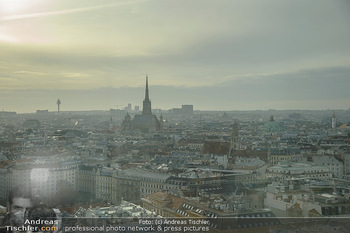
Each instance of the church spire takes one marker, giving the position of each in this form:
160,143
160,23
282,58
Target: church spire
147,103
146,94
334,121
234,145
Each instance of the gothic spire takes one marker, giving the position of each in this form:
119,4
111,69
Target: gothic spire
146,103
146,95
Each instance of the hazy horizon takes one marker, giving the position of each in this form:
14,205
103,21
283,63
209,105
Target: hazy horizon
216,55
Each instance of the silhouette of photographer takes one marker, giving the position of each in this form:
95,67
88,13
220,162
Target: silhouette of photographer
26,211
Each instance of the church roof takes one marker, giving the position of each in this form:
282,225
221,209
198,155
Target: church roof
145,119
143,122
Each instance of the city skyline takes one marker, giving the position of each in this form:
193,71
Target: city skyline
94,55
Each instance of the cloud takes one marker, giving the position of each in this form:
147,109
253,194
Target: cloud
75,75
307,84
303,89
63,12
238,53
29,72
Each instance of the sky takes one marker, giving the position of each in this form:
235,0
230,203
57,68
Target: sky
216,55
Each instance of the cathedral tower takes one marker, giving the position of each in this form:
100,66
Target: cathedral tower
334,121
146,122
161,122
234,145
147,102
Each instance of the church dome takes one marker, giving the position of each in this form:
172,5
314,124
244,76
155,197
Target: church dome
272,126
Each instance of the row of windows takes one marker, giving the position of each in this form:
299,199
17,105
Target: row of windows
329,164
159,186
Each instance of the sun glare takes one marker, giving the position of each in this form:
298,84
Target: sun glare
15,6
11,6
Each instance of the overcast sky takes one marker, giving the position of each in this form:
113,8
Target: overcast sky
216,55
